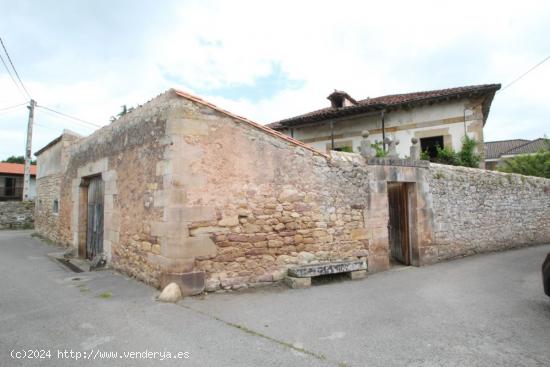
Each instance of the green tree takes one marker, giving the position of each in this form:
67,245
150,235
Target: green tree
17,159
537,164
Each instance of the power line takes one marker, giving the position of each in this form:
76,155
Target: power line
14,106
524,74
12,78
13,67
69,116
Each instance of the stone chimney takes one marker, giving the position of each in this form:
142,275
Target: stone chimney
339,99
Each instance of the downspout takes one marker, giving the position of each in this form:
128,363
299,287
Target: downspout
331,135
383,131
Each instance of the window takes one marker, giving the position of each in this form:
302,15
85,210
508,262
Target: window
341,146
9,186
430,144
55,206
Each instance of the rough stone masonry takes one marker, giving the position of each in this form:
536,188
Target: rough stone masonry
198,196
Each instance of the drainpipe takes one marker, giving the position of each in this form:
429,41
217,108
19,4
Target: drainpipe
383,131
331,135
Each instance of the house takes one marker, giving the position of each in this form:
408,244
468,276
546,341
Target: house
11,181
180,190
497,151
437,117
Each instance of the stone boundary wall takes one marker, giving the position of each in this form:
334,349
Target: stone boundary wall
478,211
16,214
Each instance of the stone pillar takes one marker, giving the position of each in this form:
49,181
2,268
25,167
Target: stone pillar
367,150
415,150
392,148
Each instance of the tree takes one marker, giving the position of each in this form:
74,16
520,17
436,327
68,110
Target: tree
124,110
537,164
17,159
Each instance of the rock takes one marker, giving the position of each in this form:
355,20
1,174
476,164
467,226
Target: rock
156,249
146,246
98,262
171,293
305,257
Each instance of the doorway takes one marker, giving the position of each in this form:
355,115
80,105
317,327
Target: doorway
94,225
398,225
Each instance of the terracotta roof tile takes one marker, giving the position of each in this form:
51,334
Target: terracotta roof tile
15,169
389,102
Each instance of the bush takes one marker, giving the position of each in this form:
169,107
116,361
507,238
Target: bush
380,152
537,164
466,157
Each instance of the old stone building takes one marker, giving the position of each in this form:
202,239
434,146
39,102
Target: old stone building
437,117
181,190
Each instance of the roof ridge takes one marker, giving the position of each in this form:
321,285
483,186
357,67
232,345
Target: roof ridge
502,141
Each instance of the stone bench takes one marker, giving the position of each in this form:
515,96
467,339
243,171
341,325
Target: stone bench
300,276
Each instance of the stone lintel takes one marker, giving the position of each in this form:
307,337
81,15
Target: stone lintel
314,270
398,162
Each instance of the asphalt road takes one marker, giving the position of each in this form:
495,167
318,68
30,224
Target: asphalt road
486,310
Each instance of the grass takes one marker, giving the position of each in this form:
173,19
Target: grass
106,295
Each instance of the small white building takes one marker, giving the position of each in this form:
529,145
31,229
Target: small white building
438,117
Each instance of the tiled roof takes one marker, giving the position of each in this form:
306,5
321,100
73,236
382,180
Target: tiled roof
497,149
493,149
393,101
530,147
15,169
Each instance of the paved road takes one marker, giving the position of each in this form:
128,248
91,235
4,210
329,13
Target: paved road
484,310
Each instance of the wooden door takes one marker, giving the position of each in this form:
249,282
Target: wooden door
398,226
94,234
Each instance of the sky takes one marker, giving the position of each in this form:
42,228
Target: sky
267,60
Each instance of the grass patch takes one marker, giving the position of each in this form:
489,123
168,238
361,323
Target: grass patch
106,295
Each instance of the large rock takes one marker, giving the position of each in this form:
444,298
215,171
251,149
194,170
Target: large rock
171,293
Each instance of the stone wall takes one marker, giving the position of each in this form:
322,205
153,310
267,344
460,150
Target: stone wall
478,211
16,214
245,204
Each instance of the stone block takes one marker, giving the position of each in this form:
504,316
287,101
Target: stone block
313,270
359,234
187,247
297,283
359,274
191,283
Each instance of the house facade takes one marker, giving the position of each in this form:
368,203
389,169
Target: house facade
11,181
439,117
182,191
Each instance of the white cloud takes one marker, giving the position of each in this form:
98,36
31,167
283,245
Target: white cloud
365,48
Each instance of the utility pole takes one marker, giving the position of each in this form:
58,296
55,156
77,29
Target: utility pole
27,177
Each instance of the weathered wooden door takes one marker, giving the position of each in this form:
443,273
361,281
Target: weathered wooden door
398,226
94,235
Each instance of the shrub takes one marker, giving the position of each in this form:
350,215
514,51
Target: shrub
537,164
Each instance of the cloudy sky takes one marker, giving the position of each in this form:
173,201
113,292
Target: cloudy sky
267,60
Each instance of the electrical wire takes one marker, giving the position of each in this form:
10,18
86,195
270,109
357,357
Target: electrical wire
69,116
14,106
524,74
12,78
14,69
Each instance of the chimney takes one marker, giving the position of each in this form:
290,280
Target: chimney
339,99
